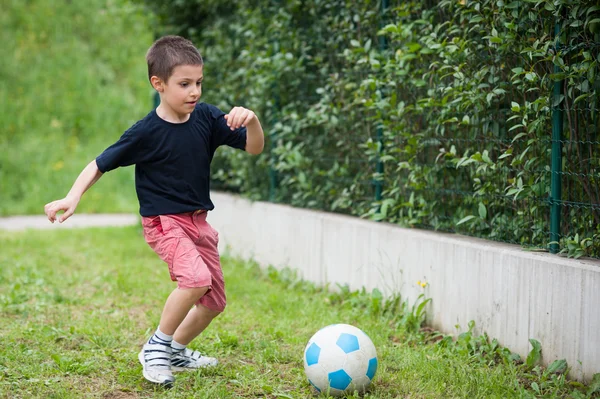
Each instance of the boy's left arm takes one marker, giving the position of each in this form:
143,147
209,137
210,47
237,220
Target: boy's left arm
243,117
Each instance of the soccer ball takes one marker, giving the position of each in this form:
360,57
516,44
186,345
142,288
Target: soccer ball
340,359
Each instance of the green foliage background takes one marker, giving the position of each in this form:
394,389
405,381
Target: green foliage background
72,79
445,107
428,114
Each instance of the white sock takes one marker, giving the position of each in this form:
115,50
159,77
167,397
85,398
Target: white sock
160,337
176,347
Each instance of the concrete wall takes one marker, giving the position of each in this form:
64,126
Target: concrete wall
511,294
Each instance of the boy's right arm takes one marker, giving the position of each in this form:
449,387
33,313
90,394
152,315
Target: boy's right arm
88,176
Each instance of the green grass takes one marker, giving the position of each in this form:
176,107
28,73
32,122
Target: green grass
72,80
77,305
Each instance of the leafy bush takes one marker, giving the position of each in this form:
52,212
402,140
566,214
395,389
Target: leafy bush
427,114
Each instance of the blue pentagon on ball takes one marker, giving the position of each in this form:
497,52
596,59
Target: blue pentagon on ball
348,342
312,354
372,368
339,380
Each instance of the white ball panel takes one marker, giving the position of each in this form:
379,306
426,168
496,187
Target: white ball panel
359,384
356,364
366,345
317,376
332,359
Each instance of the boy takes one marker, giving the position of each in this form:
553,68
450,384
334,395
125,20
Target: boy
172,148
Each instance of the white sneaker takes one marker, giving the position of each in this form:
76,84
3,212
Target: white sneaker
156,360
188,359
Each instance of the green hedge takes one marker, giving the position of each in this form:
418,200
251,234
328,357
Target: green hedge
421,113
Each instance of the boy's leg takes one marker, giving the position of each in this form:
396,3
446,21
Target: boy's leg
170,241
156,354
178,307
196,321
207,307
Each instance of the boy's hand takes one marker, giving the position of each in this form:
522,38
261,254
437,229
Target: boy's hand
67,204
239,117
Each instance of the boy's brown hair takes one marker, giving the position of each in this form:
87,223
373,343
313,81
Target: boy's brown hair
169,52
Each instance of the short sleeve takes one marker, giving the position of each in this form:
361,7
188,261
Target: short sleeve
126,151
222,134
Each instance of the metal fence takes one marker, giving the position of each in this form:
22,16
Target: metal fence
491,171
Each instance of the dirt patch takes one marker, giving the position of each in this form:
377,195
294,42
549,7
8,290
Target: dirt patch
120,395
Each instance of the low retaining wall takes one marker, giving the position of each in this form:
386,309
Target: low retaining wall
511,294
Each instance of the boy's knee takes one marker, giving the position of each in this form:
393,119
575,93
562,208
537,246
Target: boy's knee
211,313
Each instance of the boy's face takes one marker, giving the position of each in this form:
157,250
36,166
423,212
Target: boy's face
183,89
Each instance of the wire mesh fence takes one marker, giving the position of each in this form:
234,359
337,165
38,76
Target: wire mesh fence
477,118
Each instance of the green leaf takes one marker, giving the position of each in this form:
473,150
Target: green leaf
556,100
557,366
535,354
465,219
391,28
486,158
558,76
518,136
514,191
581,97
414,47
482,211
451,120
419,312
594,385
515,107
592,9
515,127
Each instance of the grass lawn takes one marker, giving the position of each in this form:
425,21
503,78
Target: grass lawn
76,306
72,79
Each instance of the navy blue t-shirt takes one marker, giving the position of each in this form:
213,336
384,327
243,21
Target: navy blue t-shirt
172,160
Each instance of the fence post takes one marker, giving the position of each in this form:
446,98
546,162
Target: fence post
379,167
557,129
272,158
273,135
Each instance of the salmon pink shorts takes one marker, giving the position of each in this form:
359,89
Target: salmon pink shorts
189,245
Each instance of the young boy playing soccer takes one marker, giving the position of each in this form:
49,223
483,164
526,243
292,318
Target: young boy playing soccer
172,148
